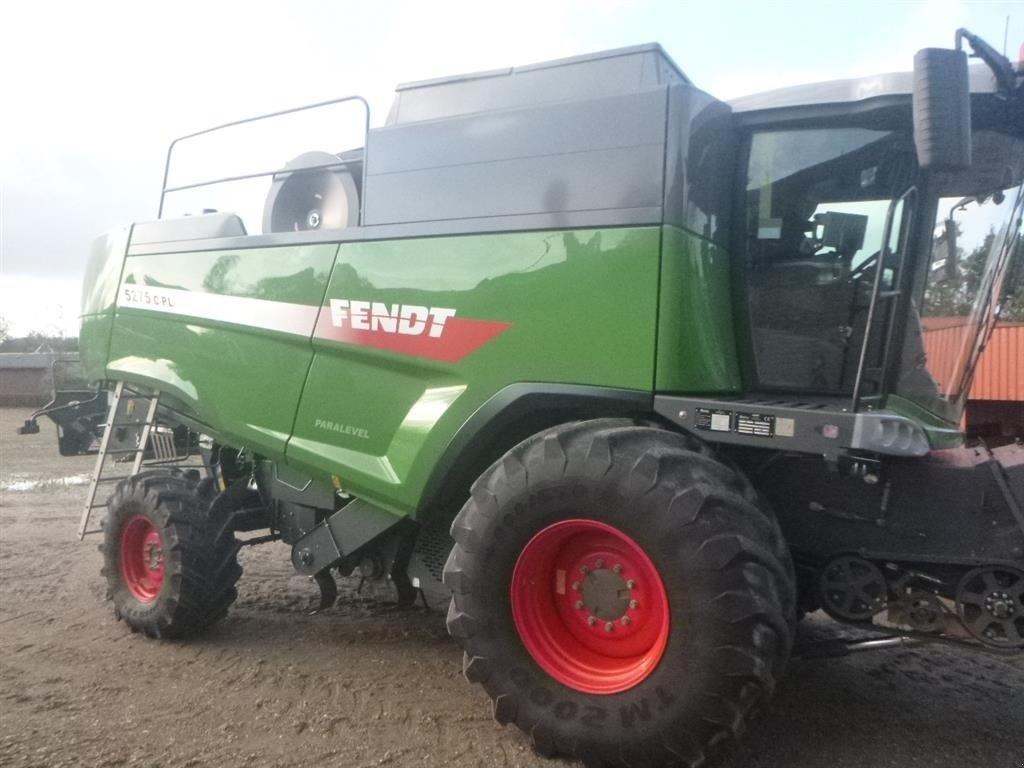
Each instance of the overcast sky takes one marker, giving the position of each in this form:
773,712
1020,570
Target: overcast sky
92,92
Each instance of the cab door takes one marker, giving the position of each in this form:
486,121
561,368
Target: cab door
816,203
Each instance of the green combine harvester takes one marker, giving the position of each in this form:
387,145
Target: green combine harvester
626,378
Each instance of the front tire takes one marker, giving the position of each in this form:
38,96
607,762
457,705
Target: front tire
170,564
622,596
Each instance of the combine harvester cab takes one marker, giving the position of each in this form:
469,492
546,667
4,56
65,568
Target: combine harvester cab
624,377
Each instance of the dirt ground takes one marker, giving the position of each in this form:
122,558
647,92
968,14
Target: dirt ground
365,685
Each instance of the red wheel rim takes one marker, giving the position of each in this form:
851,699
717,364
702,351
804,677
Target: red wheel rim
590,607
142,559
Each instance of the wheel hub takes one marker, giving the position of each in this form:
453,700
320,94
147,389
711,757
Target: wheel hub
990,601
154,555
590,606
605,594
852,589
604,599
142,559
925,612
1000,605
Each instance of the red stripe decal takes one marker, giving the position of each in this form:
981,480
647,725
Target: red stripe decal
461,336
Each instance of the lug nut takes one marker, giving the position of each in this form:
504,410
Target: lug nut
599,564
625,621
576,586
634,603
584,570
608,626
617,568
579,605
591,620
630,584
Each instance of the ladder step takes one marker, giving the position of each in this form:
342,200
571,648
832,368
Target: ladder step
143,426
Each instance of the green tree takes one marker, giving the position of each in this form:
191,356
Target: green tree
952,291
1013,291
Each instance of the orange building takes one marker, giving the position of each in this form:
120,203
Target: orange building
995,405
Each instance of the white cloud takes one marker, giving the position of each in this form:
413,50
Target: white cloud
93,92
46,304
889,48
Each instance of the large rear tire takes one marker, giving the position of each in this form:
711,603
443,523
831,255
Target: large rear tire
170,563
623,597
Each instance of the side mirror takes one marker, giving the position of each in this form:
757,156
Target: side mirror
942,109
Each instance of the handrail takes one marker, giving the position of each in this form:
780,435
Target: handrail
901,292
164,189
875,291
243,177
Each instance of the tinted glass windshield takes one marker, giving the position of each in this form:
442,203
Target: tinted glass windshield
976,233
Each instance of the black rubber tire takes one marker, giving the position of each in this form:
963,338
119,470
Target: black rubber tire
726,570
200,555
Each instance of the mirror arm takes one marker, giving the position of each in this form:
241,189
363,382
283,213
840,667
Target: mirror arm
1002,69
949,233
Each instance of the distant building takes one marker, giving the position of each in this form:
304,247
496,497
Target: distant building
995,405
26,378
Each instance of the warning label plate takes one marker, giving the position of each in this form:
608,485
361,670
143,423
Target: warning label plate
715,420
755,424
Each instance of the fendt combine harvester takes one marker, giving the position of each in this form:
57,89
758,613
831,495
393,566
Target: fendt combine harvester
628,378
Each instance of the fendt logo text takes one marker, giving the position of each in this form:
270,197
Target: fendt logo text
404,319
406,329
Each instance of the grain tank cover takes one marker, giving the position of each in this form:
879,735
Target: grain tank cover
569,143
616,72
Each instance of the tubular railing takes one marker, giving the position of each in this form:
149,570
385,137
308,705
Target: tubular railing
164,189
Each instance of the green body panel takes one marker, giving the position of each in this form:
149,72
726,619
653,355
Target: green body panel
240,379
232,338
94,345
939,431
696,343
294,274
99,291
580,312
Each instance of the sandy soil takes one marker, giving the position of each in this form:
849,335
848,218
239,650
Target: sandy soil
364,685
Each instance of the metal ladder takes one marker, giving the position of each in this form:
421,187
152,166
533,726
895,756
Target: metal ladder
138,429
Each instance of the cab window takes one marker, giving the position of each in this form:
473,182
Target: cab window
816,201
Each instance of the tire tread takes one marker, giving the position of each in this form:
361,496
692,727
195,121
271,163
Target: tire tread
200,551
740,547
